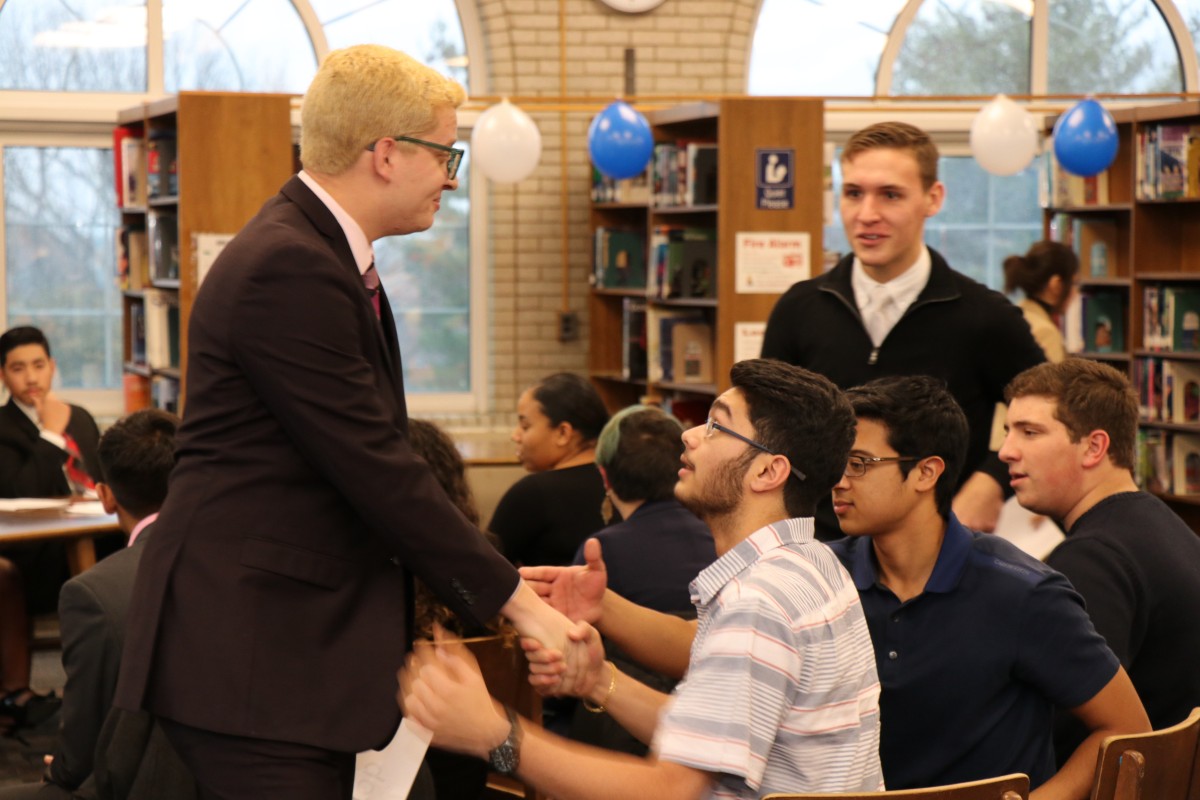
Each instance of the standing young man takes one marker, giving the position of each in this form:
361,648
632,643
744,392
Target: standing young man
781,693
895,307
976,643
272,606
1070,454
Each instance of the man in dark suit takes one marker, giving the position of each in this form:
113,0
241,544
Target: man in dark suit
272,608
136,455
47,449
39,433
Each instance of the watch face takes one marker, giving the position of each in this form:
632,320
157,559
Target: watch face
632,6
504,759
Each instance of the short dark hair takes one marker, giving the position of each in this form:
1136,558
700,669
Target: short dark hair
136,456
567,397
1088,396
437,449
1031,272
922,420
639,449
19,337
801,415
897,136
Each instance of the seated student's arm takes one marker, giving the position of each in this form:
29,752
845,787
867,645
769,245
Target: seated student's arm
1116,709
441,688
658,641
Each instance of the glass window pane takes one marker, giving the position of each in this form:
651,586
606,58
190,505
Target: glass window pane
427,277
819,49
81,46
236,45
984,219
60,219
964,47
431,31
1190,11
1111,46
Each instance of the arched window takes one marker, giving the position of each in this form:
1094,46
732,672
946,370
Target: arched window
893,48
67,68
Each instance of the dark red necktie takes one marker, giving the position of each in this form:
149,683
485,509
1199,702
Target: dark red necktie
76,475
371,281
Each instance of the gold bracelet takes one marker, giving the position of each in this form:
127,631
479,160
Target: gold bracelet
612,687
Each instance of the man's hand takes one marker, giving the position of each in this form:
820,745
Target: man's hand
545,671
577,592
53,413
442,688
978,503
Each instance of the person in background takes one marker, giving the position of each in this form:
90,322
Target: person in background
47,449
654,553
977,644
1046,276
896,307
272,606
1070,453
781,693
136,455
545,516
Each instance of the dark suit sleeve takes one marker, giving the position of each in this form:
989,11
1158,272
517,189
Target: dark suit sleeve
91,658
30,466
299,337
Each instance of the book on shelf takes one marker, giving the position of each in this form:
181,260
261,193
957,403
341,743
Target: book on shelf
1172,161
137,333
684,173
161,164
633,339
129,157
1103,322
133,257
1185,461
163,233
658,325
1095,243
692,268
658,279
1182,316
136,390
620,259
162,329
1154,321
1148,380
1058,188
1181,391
700,174
164,393
633,190
1153,471
687,351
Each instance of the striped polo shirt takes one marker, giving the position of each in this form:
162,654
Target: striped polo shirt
781,694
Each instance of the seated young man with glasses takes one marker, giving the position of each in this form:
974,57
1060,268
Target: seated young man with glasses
976,642
781,692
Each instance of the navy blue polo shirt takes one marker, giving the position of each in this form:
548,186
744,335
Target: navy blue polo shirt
972,669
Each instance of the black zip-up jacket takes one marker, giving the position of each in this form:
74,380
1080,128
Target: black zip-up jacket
958,330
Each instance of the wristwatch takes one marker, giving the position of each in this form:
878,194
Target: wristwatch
506,756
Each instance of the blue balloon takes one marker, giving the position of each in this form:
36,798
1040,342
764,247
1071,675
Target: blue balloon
1085,139
620,141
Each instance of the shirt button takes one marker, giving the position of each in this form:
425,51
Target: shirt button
893,655
896,618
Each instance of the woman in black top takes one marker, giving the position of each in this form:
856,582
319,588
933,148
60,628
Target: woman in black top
544,517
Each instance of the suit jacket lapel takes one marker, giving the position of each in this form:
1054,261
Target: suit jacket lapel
19,420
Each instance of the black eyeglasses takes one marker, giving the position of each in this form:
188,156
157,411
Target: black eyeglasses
453,157
856,466
712,425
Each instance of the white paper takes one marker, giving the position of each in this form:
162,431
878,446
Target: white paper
768,263
91,508
388,774
748,340
32,504
207,246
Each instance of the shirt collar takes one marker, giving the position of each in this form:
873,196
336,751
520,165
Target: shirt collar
29,411
947,572
706,586
360,246
904,288
141,526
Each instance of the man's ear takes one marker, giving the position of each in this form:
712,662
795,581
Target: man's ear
1096,450
771,474
107,498
927,472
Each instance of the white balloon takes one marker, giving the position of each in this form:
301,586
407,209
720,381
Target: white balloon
506,144
1004,137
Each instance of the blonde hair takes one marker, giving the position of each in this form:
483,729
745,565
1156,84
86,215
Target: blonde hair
362,94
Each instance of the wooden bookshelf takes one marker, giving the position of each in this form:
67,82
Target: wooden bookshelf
739,127
228,153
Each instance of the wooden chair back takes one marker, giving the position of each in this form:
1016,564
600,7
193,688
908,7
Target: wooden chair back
1005,787
1160,765
506,673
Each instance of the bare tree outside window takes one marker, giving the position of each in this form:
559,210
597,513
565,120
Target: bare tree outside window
80,46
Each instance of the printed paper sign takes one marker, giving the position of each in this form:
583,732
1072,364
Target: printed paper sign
768,263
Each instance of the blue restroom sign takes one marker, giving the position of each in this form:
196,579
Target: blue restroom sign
775,179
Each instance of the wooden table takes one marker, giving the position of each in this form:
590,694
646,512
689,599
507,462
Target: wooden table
56,523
